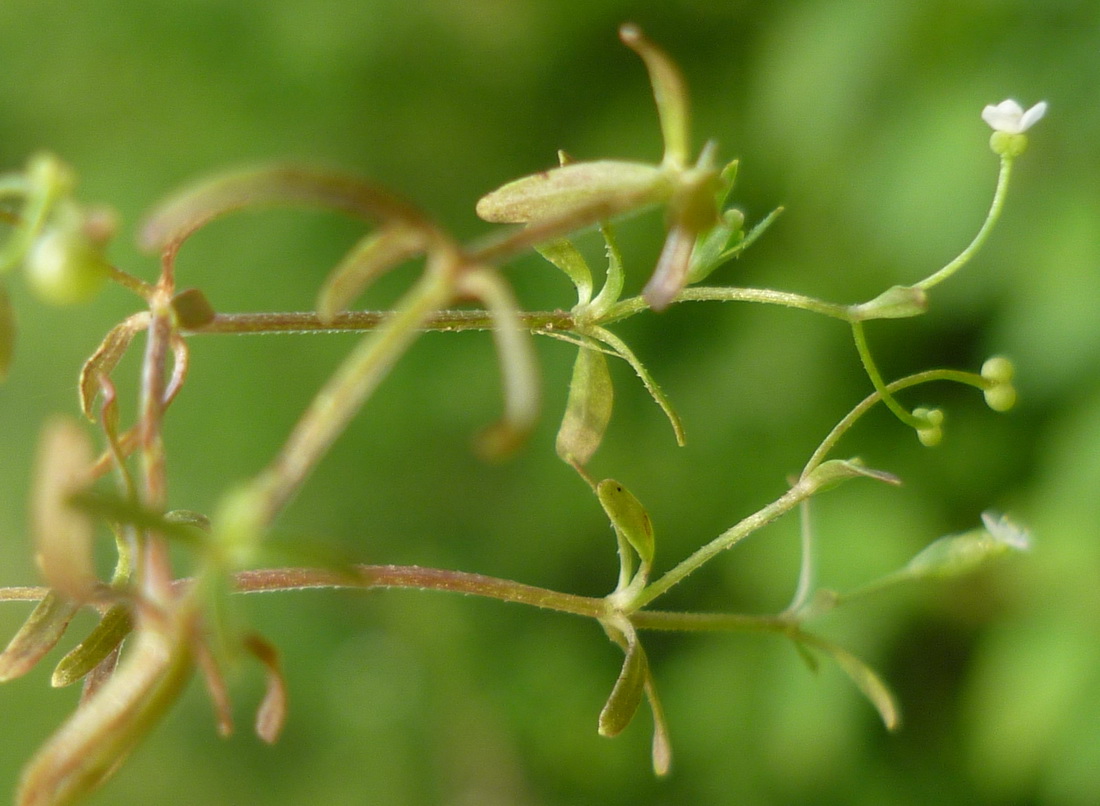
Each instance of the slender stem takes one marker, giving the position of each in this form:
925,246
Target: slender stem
876,378
841,428
987,226
129,281
629,307
365,321
25,593
727,539
415,577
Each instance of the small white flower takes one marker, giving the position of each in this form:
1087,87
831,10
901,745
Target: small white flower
1003,530
1009,117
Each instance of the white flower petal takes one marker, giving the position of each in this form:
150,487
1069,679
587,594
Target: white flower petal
1033,116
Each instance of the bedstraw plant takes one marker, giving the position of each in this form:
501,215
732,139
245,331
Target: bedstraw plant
159,625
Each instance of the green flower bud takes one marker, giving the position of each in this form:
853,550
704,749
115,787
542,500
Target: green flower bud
930,434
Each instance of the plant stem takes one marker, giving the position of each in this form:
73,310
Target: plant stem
364,321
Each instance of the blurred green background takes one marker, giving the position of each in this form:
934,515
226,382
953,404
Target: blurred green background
862,118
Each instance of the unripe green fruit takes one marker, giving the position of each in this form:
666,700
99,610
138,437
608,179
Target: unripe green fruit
65,268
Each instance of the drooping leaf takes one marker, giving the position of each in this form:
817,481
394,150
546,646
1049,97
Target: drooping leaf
38,635
662,744
178,217
588,409
627,694
271,715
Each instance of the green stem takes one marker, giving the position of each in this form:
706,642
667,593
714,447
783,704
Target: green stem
990,219
876,378
727,539
841,428
365,321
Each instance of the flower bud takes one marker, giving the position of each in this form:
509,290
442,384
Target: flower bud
931,433
64,267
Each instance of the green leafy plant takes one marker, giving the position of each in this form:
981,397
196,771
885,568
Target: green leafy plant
159,624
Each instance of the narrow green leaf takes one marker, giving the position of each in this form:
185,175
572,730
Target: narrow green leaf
7,333
566,257
616,276
863,676
626,696
628,516
121,510
607,187
115,625
623,351
372,257
588,409
38,635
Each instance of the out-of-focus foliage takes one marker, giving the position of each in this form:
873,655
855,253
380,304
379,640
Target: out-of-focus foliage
863,119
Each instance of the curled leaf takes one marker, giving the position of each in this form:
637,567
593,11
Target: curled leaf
607,188
104,639
106,357
588,409
368,259
271,715
182,214
869,683
38,635
63,534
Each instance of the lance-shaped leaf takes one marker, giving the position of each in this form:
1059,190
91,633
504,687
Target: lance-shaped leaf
106,357
588,409
369,259
178,217
63,534
629,517
7,333
93,742
271,715
115,625
38,635
589,191
829,474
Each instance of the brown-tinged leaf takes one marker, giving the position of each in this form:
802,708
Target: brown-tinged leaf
175,219
271,715
662,744
588,409
106,358
63,534
38,635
